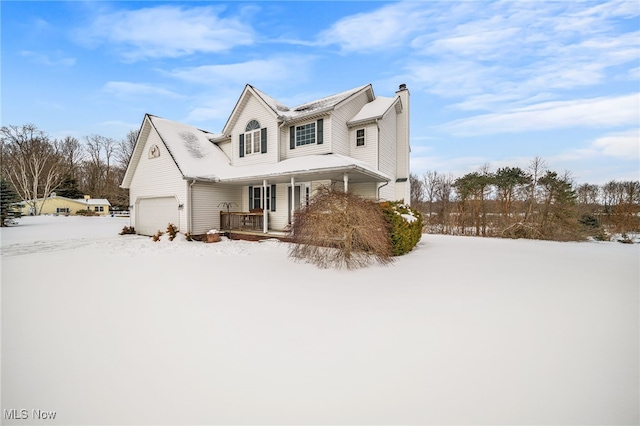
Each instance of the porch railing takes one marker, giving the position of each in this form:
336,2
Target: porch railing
242,221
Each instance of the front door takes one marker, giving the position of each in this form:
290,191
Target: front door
300,196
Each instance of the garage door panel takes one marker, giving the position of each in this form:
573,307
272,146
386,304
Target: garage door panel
155,214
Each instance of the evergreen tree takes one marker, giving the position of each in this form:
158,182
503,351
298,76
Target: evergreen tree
69,188
8,199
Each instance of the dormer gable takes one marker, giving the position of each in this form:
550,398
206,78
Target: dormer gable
249,91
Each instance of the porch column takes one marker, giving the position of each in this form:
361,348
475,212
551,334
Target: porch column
265,212
345,178
293,196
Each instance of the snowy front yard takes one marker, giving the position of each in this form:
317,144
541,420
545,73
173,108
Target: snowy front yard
109,329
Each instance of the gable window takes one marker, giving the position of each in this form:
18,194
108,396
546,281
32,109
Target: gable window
253,140
306,134
360,137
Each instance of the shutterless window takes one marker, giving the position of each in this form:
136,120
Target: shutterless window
306,134
360,137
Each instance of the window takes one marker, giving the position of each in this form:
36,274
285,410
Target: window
62,209
254,140
255,198
99,208
360,137
306,134
256,202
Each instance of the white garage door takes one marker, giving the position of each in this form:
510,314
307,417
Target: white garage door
155,214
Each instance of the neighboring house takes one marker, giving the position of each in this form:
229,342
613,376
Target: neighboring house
62,205
267,161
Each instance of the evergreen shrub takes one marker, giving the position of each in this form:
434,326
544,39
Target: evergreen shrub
404,224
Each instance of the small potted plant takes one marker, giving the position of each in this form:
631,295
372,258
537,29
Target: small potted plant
213,236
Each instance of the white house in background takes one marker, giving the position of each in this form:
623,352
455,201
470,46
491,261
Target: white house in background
268,161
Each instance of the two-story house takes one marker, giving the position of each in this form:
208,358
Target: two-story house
267,161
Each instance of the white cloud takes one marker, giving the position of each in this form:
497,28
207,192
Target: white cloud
54,59
167,31
255,71
492,54
596,112
623,145
385,27
124,88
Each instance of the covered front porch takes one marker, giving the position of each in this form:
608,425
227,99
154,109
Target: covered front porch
268,203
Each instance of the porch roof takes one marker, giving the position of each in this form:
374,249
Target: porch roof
310,167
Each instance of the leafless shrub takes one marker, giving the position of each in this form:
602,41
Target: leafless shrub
340,230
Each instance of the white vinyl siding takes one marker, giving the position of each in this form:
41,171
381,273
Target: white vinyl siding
366,190
226,147
369,151
207,202
253,109
340,133
387,153
157,177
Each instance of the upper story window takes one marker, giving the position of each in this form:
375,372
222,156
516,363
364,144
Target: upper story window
360,137
253,140
306,134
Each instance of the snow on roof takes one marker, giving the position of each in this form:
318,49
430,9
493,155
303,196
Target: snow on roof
273,104
299,165
198,158
190,148
372,110
94,201
308,107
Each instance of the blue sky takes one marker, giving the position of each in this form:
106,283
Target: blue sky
493,83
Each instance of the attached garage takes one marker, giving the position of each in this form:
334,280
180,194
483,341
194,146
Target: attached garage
154,214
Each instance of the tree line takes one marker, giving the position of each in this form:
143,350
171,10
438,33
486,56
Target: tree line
532,203
34,165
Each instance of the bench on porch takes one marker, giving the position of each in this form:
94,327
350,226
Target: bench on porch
242,220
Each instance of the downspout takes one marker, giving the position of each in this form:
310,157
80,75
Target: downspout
380,187
190,212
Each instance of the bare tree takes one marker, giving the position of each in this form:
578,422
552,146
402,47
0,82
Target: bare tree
31,162
98,167
126,147
430,181
73,155
536,169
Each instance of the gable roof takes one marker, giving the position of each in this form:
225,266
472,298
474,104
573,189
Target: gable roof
285,113
190,148
198,158
374,110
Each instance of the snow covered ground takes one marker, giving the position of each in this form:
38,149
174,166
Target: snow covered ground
109,329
